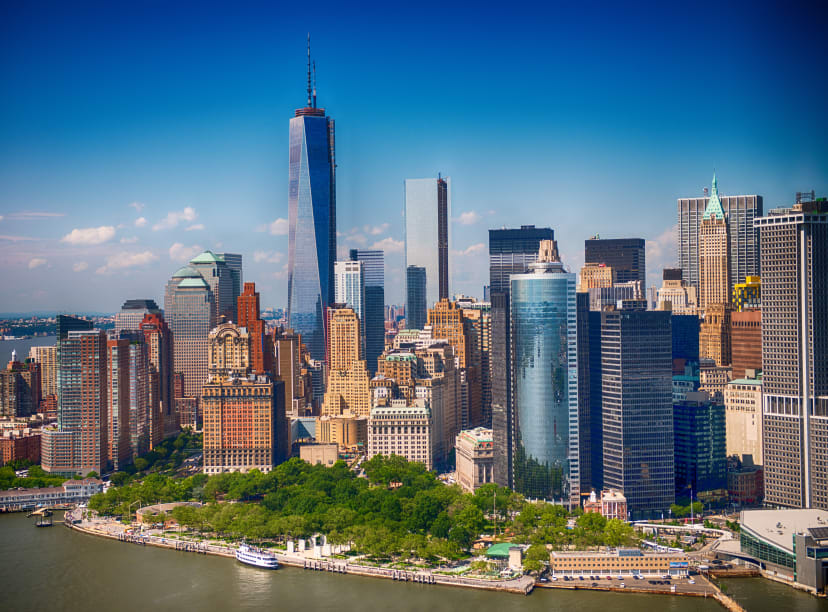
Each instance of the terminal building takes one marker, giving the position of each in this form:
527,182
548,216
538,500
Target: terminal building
624,562
792,544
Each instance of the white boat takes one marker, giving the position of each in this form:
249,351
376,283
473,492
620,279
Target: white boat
256,557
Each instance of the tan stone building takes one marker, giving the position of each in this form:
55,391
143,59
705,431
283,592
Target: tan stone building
680,295
46,356
475,458
615,562
714,249
743,418
350,433
319,454
715,334
713,379
347,391
596,275
404,429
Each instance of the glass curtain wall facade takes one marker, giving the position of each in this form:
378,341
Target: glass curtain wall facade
311,225
626,256
373,267
545,384
428,232
415,302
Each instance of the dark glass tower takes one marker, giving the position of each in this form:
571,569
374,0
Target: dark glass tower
700,445
510,252
312,221
373,265
624,255
415,301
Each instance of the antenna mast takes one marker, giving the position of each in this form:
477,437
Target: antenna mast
314,83
309,72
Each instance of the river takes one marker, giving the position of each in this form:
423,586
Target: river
58,569
22,347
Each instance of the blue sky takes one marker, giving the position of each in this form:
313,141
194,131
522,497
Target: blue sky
132,135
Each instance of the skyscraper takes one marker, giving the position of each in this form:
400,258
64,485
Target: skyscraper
714,251
347,392
190,311
637,407
626,257
700,444
415,303
261,353
795,354
20,388
510,252
158,339
545,379
311,222
46,356
132,313
350,290
79,443
373,267
428,232
119,450
222,281
743,239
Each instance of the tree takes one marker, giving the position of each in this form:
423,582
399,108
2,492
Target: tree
141,464
536,558
92,474
618,533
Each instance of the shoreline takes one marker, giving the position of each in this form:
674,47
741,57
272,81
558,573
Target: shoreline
522,586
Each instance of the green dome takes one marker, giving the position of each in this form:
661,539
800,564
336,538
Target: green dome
186,272
207,257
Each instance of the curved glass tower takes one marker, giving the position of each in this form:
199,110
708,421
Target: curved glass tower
545,380
312,223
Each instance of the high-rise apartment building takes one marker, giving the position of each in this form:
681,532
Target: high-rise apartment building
261,353
626,257
119,450
428,232
545,380
347,392
416,302
714,253
510,252
288,369
20,388
240,409
795,354
743,237
164,421
637,408
79,443
46,356
190,312
132,313
477,319
373,267
699,442
311,222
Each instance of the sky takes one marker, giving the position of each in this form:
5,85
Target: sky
135,135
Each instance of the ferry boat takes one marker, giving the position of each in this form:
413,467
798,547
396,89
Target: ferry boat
256,557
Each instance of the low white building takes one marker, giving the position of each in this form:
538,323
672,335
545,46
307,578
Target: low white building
402,429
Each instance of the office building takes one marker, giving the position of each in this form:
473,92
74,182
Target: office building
626,257
475,458
46,356
743,419
587,421
795,354
288,366
348,432
745,341
748,295
676,295
714,250
241,411
132,313
637,408
349,286
416,302
164,421
595,275
714,334
545,380
311,222
699,443
190,312
79,443
428,232
261,346
347,391
595,438
373,267
510,252
477,320
234,262
743,238
685,331
20,388
404,429
601,297
222,281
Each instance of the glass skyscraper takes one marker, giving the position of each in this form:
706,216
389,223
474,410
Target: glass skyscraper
428,232
415,297
373,268
545,381
312,223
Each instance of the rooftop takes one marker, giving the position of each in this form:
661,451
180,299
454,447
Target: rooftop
207,257
779,526
196,283
746,381
186,272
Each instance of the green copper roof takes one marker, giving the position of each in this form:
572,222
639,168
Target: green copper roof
206,257
197,283
714,206
186,272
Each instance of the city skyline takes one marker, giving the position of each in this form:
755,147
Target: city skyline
113,173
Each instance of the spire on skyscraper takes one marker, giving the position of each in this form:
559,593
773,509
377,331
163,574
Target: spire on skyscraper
314,83
309,73
714,205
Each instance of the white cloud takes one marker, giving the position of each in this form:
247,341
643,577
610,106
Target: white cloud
131,240
80,266
90,235
661,253
180,252
278,228
283,273
389,245
140,222
471,250
195,227
175,217
139,206
123,260
468,218
1,217
36,262
267,257
376,230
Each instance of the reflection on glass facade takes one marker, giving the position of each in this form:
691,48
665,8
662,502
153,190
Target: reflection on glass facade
415,299
311,225
545,383
373,265
428,232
